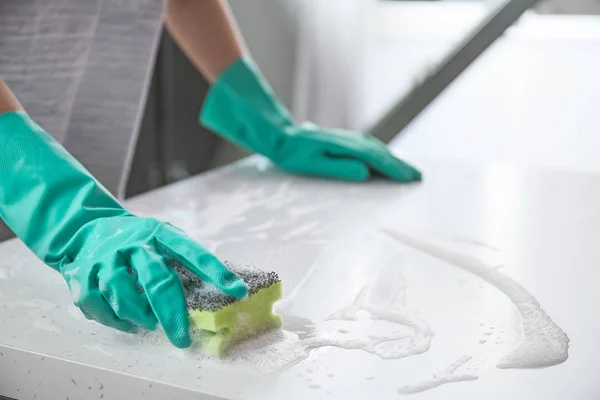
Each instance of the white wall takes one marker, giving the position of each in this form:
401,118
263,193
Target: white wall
270,30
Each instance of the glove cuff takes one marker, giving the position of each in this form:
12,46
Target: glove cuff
242,107
46,196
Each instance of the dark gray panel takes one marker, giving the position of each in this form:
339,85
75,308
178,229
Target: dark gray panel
108,104
172,144
81,69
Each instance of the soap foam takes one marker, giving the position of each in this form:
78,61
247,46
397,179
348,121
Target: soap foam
448,375
544,344
272,352
384,302
376,302
386,347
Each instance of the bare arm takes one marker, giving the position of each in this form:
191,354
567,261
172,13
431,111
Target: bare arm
206,32
8,101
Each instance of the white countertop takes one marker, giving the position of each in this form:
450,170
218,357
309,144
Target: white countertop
532,234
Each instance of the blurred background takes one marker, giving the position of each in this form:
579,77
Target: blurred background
531,98
342,63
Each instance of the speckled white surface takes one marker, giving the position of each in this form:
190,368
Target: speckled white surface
326,241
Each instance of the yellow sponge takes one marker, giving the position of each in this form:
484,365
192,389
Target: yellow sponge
223,321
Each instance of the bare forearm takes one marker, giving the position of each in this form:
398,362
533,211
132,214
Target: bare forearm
8,101
206,32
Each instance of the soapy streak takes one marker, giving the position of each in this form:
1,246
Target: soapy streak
384,299
545,344
394,312
446,376
280,350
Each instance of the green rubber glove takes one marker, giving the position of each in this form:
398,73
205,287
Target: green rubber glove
241,107
116,264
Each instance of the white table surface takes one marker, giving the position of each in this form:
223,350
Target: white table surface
328,242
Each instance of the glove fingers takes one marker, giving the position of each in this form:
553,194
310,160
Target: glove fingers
202,263
87,297
396,169
94,307
342,168
165,294
119,290
378,157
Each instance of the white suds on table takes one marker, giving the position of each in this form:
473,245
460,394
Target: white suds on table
448,375
271,352
545,343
